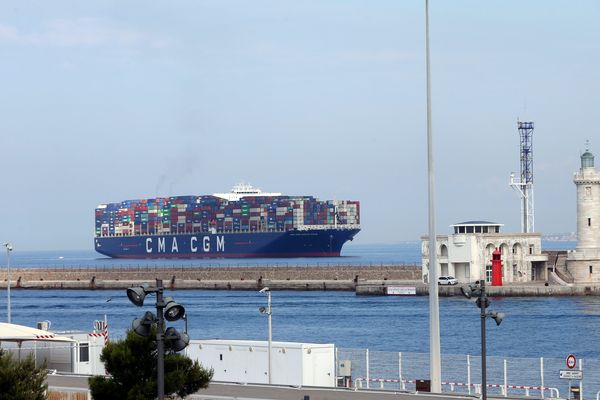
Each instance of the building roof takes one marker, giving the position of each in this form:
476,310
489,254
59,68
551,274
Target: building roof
472,223
20,333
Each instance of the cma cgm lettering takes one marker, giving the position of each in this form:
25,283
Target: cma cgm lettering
196,244
242,223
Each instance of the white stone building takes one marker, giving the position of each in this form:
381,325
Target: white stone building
467,254
584,262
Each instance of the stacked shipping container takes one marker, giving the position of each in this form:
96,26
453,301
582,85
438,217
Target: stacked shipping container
193,214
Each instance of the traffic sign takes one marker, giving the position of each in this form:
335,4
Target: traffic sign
99,326
571,361
570,374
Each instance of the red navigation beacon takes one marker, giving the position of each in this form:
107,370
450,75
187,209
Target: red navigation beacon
496,268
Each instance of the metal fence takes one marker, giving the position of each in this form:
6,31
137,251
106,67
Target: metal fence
536,377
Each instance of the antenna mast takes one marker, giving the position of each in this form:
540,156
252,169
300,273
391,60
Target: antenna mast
524,184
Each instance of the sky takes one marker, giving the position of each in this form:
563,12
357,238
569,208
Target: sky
106,101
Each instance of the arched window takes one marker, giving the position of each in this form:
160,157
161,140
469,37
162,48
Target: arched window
517,249
444,250
489,249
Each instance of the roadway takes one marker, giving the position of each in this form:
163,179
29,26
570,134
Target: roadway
234,391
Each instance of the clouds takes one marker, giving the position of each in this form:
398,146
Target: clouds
79,32
121,100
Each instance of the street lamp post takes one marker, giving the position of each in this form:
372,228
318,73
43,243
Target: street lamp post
166,308
483,303
268,312
9,248
435,358
160,344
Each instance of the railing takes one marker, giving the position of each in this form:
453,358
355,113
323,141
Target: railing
462,373
205,264
216,231
553,392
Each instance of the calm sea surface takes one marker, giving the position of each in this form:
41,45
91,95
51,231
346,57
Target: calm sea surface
549,327
354,254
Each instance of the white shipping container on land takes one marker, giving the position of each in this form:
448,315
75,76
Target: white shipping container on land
246,361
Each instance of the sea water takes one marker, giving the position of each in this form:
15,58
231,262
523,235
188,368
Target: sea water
534,326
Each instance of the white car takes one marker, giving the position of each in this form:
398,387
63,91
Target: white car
447,280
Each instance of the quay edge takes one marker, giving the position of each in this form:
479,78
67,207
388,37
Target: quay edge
532,290
216,278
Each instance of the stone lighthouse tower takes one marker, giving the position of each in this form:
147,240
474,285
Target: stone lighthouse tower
584,262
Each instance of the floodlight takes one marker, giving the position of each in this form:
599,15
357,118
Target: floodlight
143,326
178,341
262,309
497,316
466,291
9,246
136,295
263,290
173,310
485,303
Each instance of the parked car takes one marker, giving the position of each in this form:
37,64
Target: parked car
447,280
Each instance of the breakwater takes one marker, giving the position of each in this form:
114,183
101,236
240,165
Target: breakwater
363,280
221,278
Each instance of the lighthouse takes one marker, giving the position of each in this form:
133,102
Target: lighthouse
584,262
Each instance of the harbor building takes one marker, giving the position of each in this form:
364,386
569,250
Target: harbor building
583,263
466,254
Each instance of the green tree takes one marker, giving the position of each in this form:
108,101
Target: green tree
21,380
131,366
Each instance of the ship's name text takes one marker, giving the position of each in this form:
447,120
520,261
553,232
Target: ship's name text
202,244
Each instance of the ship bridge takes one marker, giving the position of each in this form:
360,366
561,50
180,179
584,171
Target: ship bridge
244,190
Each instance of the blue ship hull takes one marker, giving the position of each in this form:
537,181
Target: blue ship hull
293,243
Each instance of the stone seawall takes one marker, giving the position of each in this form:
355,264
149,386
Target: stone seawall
364,280
518,290
222,278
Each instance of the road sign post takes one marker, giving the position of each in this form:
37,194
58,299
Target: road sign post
571,361
570,374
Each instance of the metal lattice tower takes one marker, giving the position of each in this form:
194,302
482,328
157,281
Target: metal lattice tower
524,184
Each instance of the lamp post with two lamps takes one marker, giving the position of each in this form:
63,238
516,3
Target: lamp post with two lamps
482,302
166,309
9,248
267,311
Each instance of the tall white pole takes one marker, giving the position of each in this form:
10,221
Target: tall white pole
270,334
8,250
435,367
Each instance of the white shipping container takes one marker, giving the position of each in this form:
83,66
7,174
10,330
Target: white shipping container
246,361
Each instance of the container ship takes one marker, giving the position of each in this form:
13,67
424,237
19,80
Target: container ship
245,222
